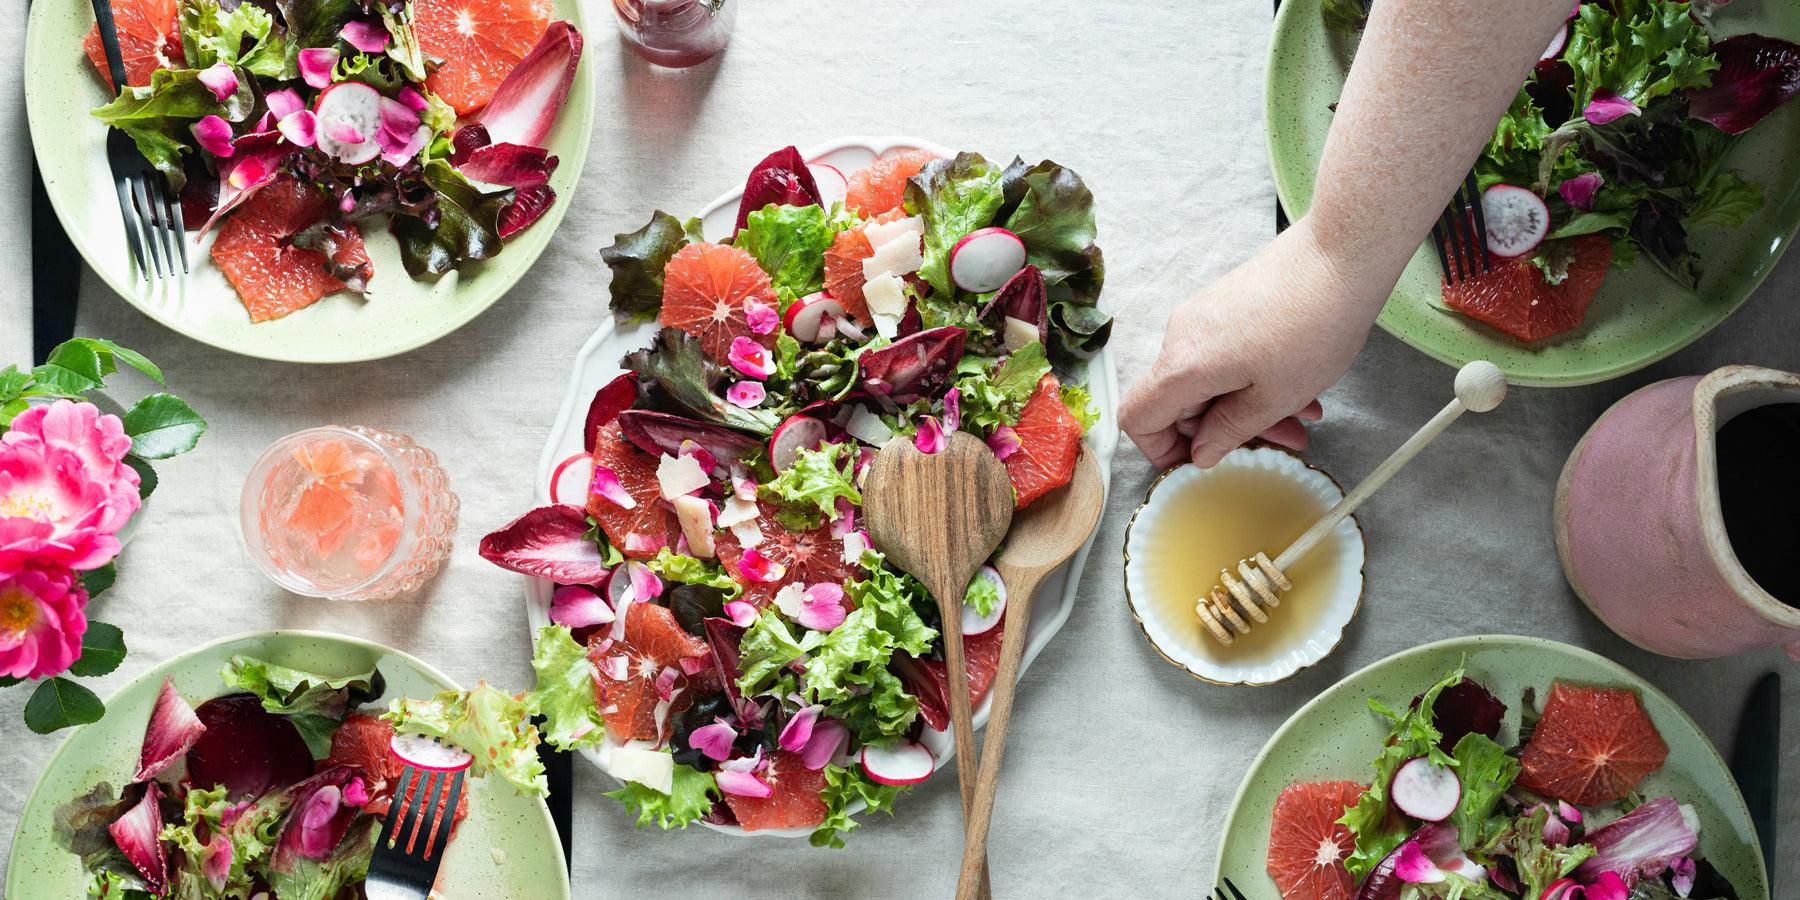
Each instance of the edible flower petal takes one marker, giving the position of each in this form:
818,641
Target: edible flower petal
645,585
931,437
799,729
756,566
829,738
606,483
284,103
746,394
221,79
413,99
367,35
742,784
762,317
713,740
822,607
300,129
1579,191
740,613
1004,441
343,131
317,65
213,134
356,793
1681,875
1607,106
579,606
217,866
750,358
953,409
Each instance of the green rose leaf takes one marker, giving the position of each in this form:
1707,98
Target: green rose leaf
163,425
59,703
102,649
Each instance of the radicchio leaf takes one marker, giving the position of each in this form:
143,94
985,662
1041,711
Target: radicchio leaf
613,398
659,434
782,178
1465,708
1022,297
1756,75
172,731
1640,844
724,637
138,834
528,205
549,542
915,366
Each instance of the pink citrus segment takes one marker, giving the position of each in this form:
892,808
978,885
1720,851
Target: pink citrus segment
882,186
1307,845
805,557
1513,297
705,288
1592,745
255,250
149,39
795,802
626,671
1049,441
843,267
650,524
479,41
981,656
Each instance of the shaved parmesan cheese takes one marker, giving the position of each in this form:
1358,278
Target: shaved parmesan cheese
867,427
737,510
679,476
1018,333
885,325
855,544
695,516
896,257
880,233
748,534
654,769
788,600
886,296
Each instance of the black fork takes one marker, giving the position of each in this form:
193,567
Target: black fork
1225,890
154,230
410,848
1460,235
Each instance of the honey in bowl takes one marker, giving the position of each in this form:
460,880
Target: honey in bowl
1196,522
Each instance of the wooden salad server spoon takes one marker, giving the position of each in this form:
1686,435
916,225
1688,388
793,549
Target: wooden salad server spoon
1044,535
938,517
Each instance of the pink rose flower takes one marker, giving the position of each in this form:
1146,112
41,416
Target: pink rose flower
41,621
65,490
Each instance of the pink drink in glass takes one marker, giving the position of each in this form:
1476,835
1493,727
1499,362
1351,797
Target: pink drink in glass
348,513
677,33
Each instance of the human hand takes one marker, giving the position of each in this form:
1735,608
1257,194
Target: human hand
1250,354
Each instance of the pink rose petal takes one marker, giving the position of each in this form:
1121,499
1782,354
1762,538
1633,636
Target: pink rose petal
1579,191
343,131
644,543
822,607
930,437
284,103
367,35
690,448
1682,873
1607,106
953,409
213,134
221,79
317,65
758,567
606,484
644,583
829,738
579,606
762,317
742,784
750,358
300,129
741,614
1004,441
714,741
846,518
217,866
356,793
413,99
746,394
799,729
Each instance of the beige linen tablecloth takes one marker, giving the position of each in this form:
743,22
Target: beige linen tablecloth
1120,767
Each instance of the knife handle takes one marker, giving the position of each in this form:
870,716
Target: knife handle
109,41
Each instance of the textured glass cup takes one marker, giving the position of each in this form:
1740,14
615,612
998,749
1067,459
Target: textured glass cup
347,513
677,33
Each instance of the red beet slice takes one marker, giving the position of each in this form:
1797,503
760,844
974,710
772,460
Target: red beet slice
246,748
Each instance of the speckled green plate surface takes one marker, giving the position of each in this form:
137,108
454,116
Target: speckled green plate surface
1639,315
507,848
398,314
1335,736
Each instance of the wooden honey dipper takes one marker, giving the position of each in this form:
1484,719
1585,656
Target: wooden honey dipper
1242,601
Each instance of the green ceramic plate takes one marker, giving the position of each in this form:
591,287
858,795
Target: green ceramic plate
1335,736
397,315
1639,315
507,848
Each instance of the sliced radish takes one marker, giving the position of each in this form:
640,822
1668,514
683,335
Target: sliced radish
806,315
978,624
1517,219
695,515
794,434
898,763
900,255
833,186
983,260
429,753
349,122
1556,44
1425,790
678,476
1018,333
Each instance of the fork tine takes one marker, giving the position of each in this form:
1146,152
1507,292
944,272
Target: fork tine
408,786
1235,893
1453,244
140,200
128,213
419,815
1437,243
165,220
440,830
180,230
1474,189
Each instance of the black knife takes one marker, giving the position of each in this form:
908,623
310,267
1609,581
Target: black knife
1281,219
1756,762
55,272
559,773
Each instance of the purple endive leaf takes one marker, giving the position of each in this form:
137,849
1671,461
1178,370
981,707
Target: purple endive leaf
137,834
367,35
915,366
1756,76
781,178
1640,844
1579,191
529,99
528,205
172,731
548,542
508,165
221,79
213,134
579,606
317,65
1607,106
660,433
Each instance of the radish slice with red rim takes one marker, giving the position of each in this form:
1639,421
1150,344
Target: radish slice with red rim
1517,220
832,184
806,316
429,753
898,763
1425,790
975,623
985,259
794,434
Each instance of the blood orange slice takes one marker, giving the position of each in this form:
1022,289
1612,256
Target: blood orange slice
149,39
795,802
480,41
843,267
705,287
255,251
1593,745
1307,845
1513,296
806,557
648,526
1049,441
928,679
626,672
882,185
362,743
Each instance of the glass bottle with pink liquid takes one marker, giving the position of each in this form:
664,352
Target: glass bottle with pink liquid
677,33
348,513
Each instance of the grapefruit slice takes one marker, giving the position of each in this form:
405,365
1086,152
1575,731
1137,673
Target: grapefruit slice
843,266
625,677
1593,745
480,41
255,251
651,520
1513,297
705,287
1307,844
1049,441
795,802
149,39
362,743
928,679
806,557
881,187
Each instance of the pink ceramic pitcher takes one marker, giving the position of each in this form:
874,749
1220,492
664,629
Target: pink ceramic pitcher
1639,527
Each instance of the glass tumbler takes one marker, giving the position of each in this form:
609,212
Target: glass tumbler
677,34
347,513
